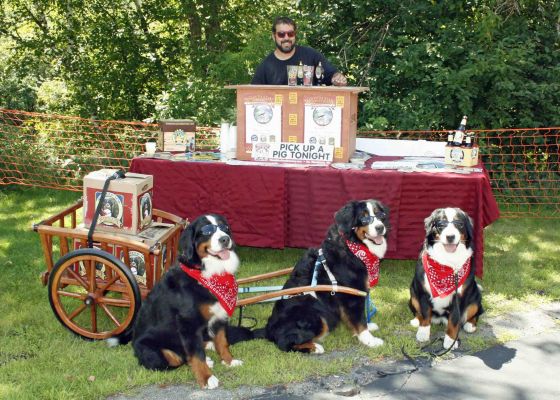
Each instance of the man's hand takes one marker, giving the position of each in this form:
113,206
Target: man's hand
338,79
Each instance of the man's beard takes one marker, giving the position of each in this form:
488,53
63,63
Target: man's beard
283,50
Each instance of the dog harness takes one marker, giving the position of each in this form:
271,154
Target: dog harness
370,260
322,261
223,286
441,277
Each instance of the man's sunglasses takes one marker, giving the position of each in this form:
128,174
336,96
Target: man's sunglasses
209,229
282,35
368,219
443,224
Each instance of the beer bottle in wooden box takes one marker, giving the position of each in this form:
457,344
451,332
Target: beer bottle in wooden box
460,132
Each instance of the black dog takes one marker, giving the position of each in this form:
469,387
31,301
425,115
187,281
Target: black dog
191,304
443,288
353,247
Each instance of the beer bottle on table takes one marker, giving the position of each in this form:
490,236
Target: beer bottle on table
319,74
460,132
300,74
469,140
450,138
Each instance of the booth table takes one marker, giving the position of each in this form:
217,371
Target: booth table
281,207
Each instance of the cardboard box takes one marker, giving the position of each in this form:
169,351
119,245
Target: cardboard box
461,156
128,203
178,135
138,265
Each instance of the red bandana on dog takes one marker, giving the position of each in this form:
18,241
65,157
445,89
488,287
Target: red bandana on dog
371,261
440,276
223,286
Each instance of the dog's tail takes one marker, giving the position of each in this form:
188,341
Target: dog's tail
123,338
236,334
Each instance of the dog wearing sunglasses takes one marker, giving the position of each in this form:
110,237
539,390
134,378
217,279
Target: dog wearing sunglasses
349,256
190,304
443,289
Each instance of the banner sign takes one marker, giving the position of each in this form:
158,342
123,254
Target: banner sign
294,152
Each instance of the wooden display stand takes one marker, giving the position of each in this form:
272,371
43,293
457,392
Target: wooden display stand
277,113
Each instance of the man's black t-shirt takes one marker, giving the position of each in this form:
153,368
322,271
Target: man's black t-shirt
273,71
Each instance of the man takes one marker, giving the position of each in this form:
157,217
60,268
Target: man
273,69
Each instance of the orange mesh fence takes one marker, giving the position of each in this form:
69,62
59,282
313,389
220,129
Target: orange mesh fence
523,166
57,152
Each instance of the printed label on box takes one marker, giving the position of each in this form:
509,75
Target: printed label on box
145,210
111,213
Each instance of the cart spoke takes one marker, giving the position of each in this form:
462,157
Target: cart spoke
63,293
109,283
93,317
92,275
78,278
110,314
114,302
76,312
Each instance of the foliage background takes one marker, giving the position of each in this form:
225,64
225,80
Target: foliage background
426,62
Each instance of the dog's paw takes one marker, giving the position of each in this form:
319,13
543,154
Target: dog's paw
369,340
209,362
210,346
212,383
448,341
469,328
423,333
414,322
233,363
372,326
318,349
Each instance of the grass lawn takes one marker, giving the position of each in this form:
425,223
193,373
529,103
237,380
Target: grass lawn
39,358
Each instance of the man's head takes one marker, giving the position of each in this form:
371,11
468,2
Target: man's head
284,34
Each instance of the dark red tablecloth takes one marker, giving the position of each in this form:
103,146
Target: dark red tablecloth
293,207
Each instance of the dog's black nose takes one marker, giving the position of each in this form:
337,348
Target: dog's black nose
379,229
450,238
224,241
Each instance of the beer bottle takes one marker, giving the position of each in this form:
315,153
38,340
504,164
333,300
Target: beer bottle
469,140
460,132
319,74
450,139
300,74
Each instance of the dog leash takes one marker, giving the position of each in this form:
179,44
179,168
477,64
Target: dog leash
432,354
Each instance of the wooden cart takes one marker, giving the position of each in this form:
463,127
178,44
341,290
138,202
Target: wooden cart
94,292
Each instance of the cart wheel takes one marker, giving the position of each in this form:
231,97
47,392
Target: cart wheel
93,294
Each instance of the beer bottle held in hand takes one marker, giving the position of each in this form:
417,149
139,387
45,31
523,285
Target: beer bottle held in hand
300,74
319,74
460,132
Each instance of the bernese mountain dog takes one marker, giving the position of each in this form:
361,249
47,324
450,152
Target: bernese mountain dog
190,304
349,256
444,289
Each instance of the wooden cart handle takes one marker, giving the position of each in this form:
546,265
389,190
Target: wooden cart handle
267,275
300,290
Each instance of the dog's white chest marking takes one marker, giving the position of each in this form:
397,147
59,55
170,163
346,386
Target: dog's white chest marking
439,303
218,314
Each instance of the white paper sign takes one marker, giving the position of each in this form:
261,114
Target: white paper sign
263,123
299,152
323,125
